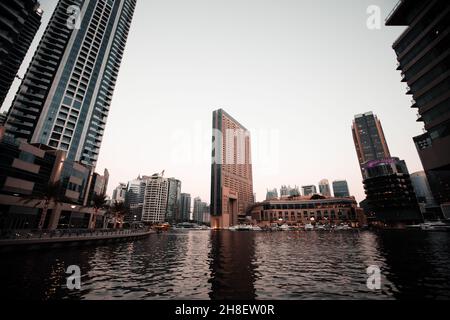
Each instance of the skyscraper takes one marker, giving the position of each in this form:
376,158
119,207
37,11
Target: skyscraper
369,139
324,188
65,97
309,190
390,194
424,196
173,200
134,198
185,207
423,58
272,194
120,193
231,176
19,23
155,199
340,189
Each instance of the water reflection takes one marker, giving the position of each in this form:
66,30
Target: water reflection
418,264
232,266
227,265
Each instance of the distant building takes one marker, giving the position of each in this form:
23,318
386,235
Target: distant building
173,200
303,210
155,199
185,207
134,198
201,211
427,204
19,21
390,194
231,176
120,193
324,188
272,194
98,185
309,190
369,139
340,189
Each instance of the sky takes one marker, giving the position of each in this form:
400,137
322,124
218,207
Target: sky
293,72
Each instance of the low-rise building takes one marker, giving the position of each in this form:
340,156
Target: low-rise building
40,188
303,210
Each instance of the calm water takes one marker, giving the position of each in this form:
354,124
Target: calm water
227,265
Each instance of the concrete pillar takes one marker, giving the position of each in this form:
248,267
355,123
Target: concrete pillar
54,218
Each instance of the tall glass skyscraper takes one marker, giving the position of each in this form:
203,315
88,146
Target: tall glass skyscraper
65,97
19,22
369,139
173,200
340,189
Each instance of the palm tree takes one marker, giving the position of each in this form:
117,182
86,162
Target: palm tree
120,210
98,202
51,194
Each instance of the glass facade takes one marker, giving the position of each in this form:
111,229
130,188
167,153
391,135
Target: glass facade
71,79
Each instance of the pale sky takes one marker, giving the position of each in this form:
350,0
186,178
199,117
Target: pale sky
293,72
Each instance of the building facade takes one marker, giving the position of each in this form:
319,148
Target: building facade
303,210
65,97
155,199
173,200
120,193
324,188
3,116
231,176
309,190
369,139
185,207
134,198
272,194
428,206
29,173
390,194
423,59
19,23
341,189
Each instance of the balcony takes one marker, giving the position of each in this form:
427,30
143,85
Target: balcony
419,118
414,104
408,90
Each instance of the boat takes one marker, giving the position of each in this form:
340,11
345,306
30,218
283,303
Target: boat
241,227
309,227
256,228
321,228
343,227
435,226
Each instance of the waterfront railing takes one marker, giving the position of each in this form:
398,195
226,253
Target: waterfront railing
72,233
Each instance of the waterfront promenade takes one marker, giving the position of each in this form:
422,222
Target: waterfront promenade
37,239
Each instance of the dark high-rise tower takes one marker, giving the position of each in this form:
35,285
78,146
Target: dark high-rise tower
369,139
19,22
65,97
423,52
